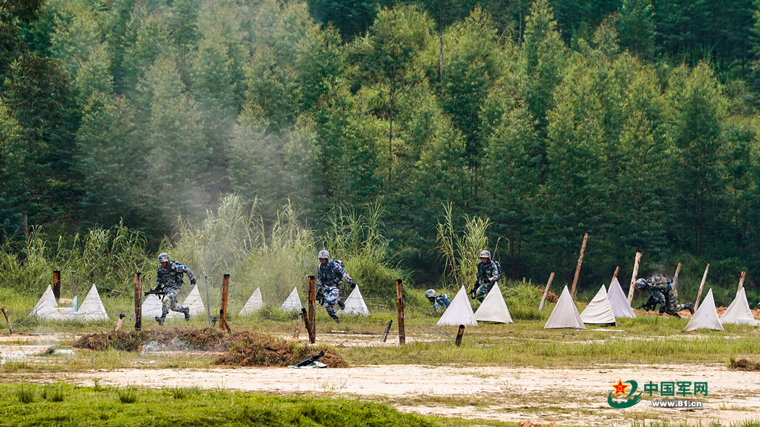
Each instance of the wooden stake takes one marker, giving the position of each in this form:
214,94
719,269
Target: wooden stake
546,292
400,306
223,311
7,320
138,301
699,293
460,334
678,270
298,327
118,324
578,267
387,329
57,284
741,281
312,329
633,277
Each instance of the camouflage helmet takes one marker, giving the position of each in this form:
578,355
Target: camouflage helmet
323,254
485,254
641,283
163,257
430,293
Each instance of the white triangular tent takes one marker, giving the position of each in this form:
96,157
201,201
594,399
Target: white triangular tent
92,308
355,303
493,308
565,314
459,312
194,301
254,303
618,301
151,306
738,312
46,307
292,303
706,316
599,310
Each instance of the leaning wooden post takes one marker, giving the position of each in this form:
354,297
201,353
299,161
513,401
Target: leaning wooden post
387,329
546,292
741,281
297,332
7,320
118,324
312,325
701,285
633,277
223,311
578,267
57,284
678,270
614,275
138,301
460,334
400,306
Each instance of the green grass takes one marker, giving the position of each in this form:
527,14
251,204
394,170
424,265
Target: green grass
88,406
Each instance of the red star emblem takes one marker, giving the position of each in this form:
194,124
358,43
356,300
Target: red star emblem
620,387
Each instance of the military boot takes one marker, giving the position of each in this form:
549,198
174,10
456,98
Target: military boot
341,304
690,307
160,320
186,310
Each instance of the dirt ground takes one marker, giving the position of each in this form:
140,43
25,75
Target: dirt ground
569,396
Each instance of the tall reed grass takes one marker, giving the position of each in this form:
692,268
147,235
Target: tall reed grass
460,250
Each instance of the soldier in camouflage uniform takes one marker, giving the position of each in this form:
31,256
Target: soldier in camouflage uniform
662,290
489,273
439,301
169,278
330,274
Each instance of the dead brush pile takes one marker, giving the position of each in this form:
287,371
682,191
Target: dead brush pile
238,349
249,349
745,365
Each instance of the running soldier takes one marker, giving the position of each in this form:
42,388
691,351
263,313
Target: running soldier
489,273
169,279
330,276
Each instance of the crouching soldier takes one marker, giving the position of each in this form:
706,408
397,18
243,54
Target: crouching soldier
662,291
169,279
489,273
330,276
439,301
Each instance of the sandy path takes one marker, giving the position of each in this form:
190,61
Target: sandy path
566,396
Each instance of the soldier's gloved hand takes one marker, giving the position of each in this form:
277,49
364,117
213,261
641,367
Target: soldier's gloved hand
192,281
353,285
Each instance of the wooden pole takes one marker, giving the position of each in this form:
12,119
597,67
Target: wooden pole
614,275
298,327
118,324
305,317
460,334
7,320
387,329
633,277
312,310
57,284
208,303
546,292
400,306
699,293
741,281
223,311
678,270
578,267
138,301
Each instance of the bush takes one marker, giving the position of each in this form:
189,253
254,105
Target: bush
522,299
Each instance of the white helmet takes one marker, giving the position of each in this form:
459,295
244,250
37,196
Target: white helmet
430,293
485,254
323,254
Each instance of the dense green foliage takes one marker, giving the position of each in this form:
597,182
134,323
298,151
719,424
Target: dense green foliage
632,120
65,405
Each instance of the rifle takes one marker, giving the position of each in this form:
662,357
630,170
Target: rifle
160,292
309,359
650,305
474,291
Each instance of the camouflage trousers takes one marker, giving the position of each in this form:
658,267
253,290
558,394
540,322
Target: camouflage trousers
483,290
332,298
170,302
667,300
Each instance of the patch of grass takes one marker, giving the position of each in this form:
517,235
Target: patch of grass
26,394
127,394
53,393
85,406
183,392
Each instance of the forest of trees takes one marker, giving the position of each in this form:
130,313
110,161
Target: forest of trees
632,120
